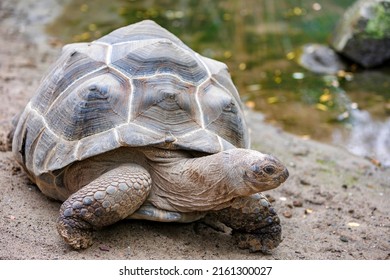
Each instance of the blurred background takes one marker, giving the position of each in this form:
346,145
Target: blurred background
261,42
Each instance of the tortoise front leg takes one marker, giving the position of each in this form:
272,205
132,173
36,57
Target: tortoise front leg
255,223
111,197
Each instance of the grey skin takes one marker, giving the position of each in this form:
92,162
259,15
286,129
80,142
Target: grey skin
173,186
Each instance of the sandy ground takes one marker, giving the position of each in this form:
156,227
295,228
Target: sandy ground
333,206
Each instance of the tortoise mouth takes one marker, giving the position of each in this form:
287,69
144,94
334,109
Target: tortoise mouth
257,185
283,177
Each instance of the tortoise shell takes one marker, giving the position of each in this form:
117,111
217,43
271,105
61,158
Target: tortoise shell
137,86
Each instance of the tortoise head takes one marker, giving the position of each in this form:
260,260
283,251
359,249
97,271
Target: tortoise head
257,172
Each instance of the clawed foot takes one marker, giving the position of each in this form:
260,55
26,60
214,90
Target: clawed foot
254,222
264,241
77,235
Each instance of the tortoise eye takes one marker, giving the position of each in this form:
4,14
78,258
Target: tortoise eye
269,169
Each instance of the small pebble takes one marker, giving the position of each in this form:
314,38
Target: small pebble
287,214
344,238
304,182
353,224
308,211
104,248
297,203
270,198
15,170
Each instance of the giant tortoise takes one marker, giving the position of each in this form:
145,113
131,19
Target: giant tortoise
137,125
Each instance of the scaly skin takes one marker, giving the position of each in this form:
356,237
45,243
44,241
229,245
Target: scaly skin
106,200
255,223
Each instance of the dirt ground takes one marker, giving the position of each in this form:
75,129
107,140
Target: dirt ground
333,206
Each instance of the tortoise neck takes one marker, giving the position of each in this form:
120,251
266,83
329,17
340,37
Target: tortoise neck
195,184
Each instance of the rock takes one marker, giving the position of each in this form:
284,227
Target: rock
297,203
320,59
308,211
104,248
304,182
287,214
270,198
363,33
344,238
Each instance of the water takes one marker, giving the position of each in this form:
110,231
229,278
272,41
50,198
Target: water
258,40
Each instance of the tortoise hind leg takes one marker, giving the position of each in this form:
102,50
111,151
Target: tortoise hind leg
111,197
254,222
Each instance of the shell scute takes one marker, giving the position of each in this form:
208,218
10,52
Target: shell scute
165,104
68,70
161,58
90,107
